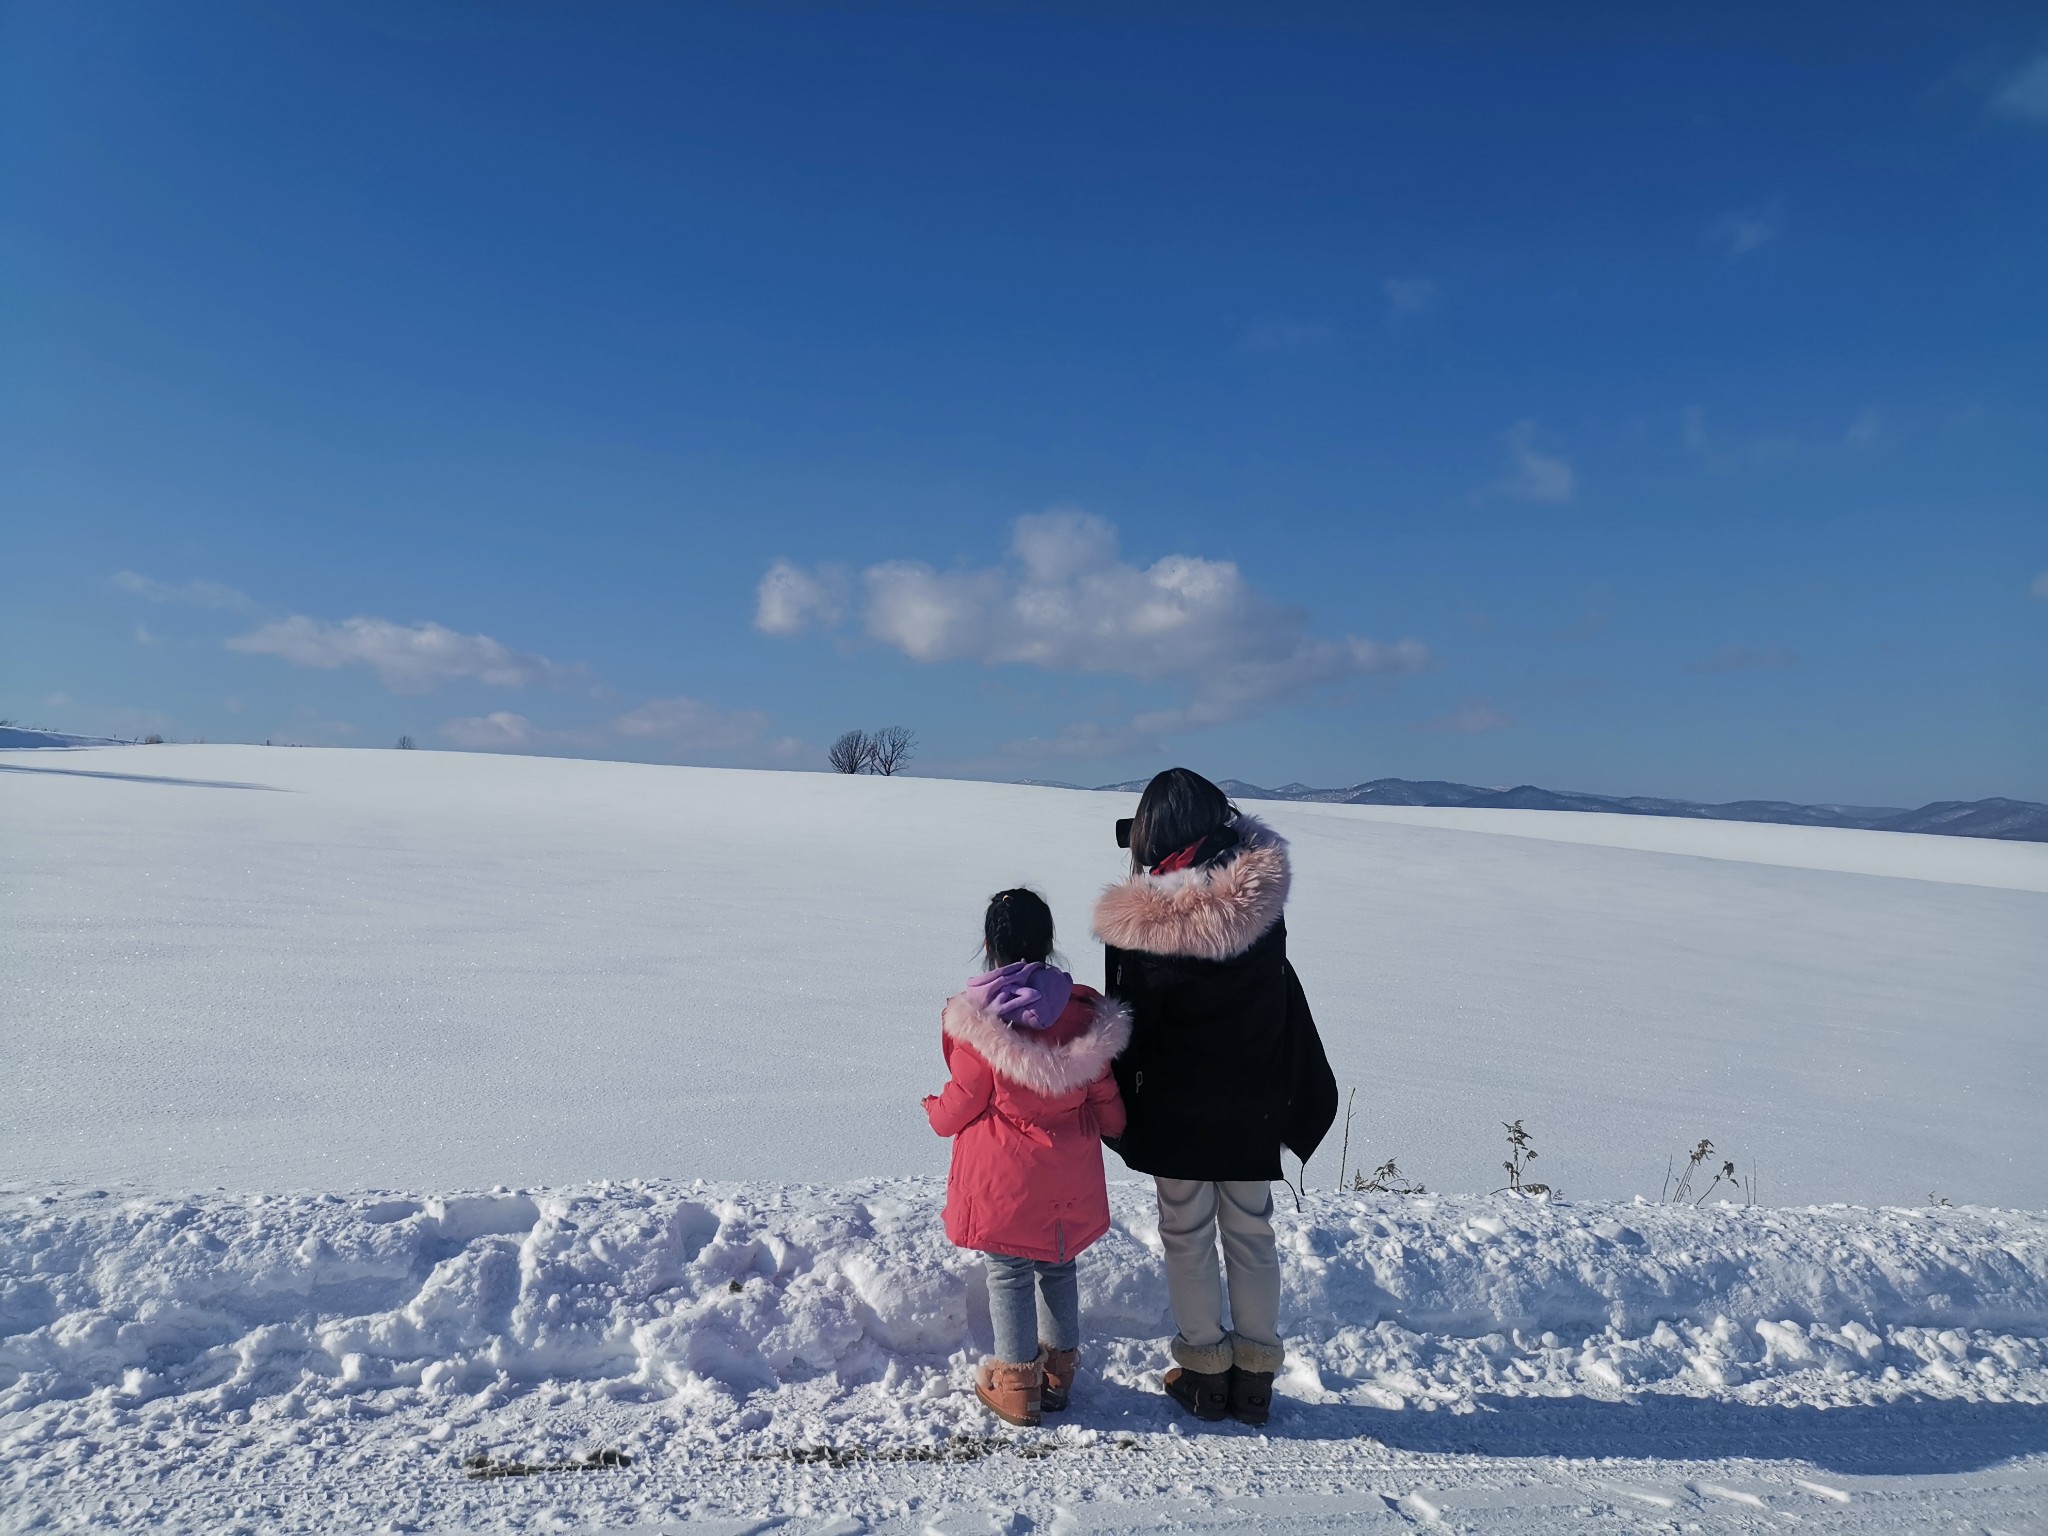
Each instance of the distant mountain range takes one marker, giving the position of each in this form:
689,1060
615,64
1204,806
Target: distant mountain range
2024,821
2014,820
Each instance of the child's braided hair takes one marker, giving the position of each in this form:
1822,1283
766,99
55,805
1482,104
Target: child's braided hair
1018,927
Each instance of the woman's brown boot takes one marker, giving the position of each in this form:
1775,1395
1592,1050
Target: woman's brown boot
1010,1391
1060,1366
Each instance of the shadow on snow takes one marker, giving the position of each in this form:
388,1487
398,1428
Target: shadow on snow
140,778
1907,1437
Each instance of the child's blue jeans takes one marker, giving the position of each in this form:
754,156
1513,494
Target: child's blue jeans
1021,1325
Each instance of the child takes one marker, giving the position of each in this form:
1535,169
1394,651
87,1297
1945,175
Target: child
1030,1098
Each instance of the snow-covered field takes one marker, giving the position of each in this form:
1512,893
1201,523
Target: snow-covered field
287,968
242,986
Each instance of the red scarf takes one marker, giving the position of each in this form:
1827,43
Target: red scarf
1205,849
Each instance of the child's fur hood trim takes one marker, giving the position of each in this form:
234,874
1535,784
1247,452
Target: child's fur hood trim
1023,1057
1214,912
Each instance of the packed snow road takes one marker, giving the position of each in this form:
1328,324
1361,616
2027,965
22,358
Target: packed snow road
278,968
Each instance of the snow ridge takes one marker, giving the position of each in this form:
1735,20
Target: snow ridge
769,1297
318,1362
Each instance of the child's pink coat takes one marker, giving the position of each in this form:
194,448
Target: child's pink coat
1027,1110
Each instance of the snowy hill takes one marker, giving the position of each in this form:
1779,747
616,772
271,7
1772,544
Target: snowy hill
292,976
15,738
310,968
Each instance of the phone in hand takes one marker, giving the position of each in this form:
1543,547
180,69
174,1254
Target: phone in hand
1123,831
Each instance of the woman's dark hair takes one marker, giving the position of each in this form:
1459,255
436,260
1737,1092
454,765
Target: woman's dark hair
1178,807
1018,927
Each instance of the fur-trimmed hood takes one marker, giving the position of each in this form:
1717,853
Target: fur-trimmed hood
1214,912
1029,1059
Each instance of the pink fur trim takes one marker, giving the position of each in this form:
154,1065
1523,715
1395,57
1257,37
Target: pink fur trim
1019,1056
1212,913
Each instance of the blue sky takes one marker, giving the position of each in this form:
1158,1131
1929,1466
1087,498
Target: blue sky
1634,402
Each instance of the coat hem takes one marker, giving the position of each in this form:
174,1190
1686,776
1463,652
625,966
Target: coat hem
1203,1173
1031,1250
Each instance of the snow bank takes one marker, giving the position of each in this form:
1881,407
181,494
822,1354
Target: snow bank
760,1310
749,1353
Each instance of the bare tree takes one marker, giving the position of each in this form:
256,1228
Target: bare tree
405,744
890,748
851,752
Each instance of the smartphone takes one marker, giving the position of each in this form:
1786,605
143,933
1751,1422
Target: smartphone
1123,831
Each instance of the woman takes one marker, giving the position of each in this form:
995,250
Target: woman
1223,1069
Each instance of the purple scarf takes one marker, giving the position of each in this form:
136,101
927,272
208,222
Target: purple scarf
1025,994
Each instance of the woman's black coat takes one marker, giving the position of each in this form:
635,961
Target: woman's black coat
1225,1065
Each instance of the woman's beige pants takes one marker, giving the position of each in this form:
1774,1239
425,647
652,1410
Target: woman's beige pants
1190,1213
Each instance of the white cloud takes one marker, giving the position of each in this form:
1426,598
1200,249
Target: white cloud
1864,430
1750,229
688,725
1745,658
1723,454
193,594
499,731
1085,739
408,658
1532,474
1408,295
2040,587
1469,720
1066,602
2024,93
1239,689
692,724
144,637
789,600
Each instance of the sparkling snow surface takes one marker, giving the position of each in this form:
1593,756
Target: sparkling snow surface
289,972
285,968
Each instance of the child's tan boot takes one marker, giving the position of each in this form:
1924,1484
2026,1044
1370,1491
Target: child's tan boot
1010,1391
1060,1366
